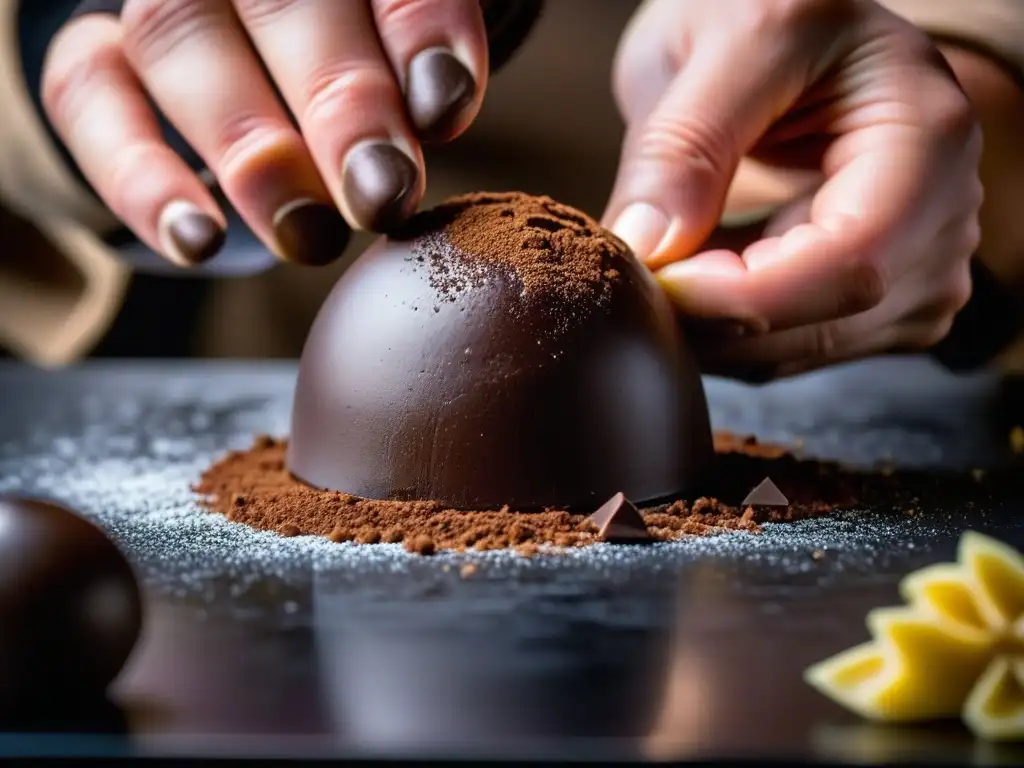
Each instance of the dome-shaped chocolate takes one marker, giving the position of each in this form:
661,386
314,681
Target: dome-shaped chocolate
504,350
70,607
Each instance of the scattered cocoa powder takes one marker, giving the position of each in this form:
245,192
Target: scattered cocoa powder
421,544
557,253
254,487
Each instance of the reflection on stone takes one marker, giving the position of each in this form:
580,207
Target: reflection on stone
452,673
199,674
94,715
956,647
872,744
689,706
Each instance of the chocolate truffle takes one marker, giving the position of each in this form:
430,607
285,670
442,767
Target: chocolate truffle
70,610
503,349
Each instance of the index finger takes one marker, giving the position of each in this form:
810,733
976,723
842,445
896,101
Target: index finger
890,184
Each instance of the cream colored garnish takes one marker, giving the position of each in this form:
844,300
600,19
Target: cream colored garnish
955,648
1017,439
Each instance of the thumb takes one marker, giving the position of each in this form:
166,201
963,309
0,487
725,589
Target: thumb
677,163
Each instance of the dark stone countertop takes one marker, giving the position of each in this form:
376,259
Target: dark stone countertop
256,645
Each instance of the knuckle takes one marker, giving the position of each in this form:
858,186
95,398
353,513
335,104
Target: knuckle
960,239
242,133
343,90
641,72
933,322
788,11
932,333
402,13
153,28
953,118
688,142
866,285
970,237
799,15
958,296
957,292
646,60
263,12
131,181
69,73
976,194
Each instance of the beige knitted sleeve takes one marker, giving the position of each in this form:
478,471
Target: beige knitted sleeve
60,287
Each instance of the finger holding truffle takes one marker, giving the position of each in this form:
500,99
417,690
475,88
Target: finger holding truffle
99,109
194,58
438,50
327,61
876,257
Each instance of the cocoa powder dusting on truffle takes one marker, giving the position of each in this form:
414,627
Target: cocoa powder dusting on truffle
556,252
254,487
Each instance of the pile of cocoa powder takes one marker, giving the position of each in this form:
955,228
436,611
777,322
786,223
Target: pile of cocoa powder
254,487
559,256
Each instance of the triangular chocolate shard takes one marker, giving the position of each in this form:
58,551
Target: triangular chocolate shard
767,494
619,520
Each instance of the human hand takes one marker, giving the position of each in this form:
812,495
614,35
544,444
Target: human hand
875,256
366,82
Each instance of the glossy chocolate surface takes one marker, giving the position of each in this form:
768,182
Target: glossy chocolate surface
70,609
475,400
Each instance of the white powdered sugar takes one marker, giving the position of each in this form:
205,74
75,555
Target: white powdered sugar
127,450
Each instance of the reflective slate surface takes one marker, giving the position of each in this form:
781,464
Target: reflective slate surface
256,645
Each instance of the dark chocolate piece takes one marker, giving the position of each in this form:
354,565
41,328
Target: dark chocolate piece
70,608
443,379
619,520
766,494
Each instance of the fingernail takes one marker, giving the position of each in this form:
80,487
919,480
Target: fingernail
642,227
438,88
310,232
188,235
378,183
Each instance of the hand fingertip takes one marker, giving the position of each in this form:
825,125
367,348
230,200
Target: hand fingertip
310,232
762,253
720,263
381,185
673,281
440,90
643,227
189,235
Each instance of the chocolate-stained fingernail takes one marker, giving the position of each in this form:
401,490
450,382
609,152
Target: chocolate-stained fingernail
188,235
379,185
438,88
310,232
